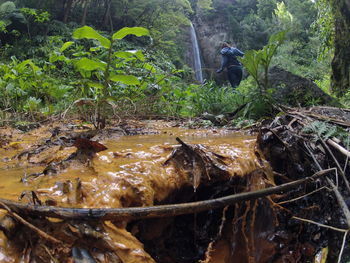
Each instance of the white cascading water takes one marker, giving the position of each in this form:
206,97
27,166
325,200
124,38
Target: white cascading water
196,55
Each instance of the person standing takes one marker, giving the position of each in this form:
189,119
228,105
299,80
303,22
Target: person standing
231,63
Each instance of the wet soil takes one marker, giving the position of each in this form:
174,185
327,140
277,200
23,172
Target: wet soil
141,164
130,172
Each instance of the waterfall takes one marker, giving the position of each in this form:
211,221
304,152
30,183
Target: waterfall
196,55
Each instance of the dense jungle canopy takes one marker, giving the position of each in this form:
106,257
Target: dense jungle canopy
44,70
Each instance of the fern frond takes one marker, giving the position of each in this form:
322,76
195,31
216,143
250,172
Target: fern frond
325,131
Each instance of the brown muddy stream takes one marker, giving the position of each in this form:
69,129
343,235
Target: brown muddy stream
137,159
131,172
62,165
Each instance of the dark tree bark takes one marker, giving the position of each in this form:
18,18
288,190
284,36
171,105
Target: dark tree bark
341,60
83,19
107,13
59,5
67,10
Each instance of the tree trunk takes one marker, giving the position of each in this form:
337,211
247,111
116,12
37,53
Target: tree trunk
59,5
107,13
67,10
341,60
83,19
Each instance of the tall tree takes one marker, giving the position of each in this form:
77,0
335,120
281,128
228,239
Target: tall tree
67,9
341,59
107,19
85,11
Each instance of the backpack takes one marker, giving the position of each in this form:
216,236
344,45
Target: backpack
232,54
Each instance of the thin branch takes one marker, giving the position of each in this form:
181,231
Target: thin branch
342,246
321,225
339,197
29,225
338,147
341,201
313,156
347,184
301,197
347,157
155,211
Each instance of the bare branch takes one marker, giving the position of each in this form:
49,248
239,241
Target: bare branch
342,246
154,211
29,225
321,225
301,197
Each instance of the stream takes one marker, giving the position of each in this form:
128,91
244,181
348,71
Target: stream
138,157
130,172
141,164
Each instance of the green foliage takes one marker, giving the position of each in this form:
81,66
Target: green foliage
32,104
205,4
7,7
345,99
24,86
9,15
257,62
199,124
89,33
265,9
37,17
323,130
301,59
116,72
32,17
324,84
100,68
214,99
137,31
284,17
242,122
257,106
325,28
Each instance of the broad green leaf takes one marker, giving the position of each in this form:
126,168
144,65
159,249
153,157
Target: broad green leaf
89,65
55,57
140,55
97,85
94,49
8,76
278,37
90,33
149,67
81,54
130,53
137,31
66,46
175,71
124,54
126,79
30,63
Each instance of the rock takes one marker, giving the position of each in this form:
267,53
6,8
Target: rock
294,90
215,119
211,33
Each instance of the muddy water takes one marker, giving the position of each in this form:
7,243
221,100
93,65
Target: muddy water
137,159
131,172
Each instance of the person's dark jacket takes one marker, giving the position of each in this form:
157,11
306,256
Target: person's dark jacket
229,58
